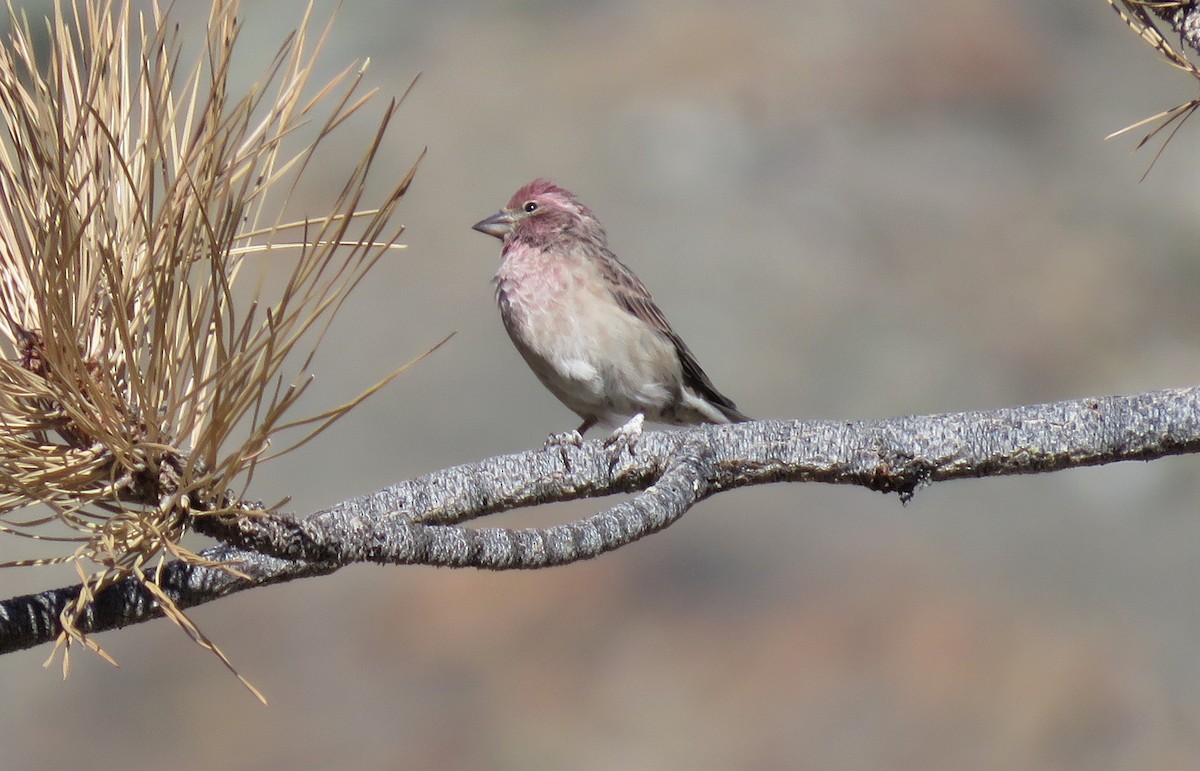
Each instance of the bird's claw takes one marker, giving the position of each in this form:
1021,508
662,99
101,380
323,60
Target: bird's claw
564,440
625,437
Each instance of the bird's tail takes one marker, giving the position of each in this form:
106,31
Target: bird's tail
732,413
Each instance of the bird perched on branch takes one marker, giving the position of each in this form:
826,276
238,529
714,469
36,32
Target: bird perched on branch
586,325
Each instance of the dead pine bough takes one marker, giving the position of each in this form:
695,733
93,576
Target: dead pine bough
140,193
1148,19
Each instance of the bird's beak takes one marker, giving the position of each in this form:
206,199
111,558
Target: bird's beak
499,224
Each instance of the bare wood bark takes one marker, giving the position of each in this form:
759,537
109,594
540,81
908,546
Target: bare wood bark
420,521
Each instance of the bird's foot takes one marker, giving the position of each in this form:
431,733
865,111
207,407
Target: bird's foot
626,437
563,441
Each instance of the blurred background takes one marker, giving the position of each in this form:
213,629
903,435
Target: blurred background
849,210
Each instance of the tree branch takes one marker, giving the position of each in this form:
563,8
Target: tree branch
1184,18
420,521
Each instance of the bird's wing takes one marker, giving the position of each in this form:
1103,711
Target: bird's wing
632,295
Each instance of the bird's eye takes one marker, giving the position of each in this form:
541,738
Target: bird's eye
530,207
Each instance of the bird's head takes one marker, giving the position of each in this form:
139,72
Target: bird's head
538,213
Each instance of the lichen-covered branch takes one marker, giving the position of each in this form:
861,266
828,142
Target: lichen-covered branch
420,521
1184,18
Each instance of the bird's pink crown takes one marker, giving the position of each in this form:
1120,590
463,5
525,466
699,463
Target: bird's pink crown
536,188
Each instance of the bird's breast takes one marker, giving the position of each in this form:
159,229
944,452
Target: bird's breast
592,353
537,287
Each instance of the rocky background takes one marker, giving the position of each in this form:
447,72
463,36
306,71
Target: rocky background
849,210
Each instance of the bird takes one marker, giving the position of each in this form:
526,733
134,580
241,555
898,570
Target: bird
586,325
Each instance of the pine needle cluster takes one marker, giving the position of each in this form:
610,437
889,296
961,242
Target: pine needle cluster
1148,18
144,370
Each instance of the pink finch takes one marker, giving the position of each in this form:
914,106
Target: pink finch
587,327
